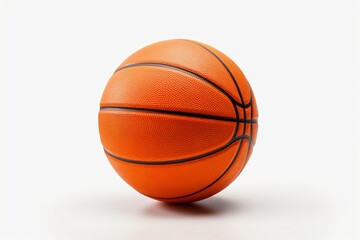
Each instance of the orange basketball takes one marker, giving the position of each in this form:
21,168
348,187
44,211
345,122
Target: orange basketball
178,121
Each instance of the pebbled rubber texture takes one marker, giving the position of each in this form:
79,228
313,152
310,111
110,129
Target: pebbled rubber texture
178,121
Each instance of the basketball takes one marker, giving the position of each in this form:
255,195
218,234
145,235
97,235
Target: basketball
178,121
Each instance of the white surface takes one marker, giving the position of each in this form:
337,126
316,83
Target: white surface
302,59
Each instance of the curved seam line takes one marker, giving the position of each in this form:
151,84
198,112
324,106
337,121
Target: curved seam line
186,114
139,64
227,69
251,129
237,120
231,76
232,100
225,171
242,137
211,184
177,161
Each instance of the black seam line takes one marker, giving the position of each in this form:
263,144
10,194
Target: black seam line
227,69
226,170
233,79
251,129
237,120
251,132
176,161
211,184
140,64
233,101
186,114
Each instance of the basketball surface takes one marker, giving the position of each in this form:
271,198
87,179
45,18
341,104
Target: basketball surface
178,121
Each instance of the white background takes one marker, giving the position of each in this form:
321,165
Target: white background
302,59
